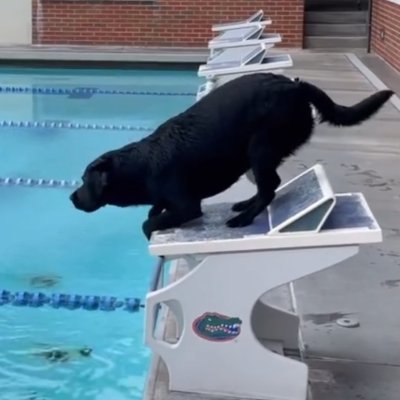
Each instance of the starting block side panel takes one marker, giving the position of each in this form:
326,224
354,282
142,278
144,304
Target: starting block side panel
303,203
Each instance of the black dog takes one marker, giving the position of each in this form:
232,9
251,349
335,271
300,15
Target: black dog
252,122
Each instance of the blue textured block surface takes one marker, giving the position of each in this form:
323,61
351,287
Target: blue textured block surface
349,212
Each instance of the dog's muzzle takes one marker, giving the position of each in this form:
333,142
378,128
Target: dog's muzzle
82,205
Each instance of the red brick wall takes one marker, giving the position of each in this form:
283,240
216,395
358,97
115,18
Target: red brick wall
157,23
386,22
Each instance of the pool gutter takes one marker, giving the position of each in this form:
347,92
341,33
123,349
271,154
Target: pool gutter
106,54
109,55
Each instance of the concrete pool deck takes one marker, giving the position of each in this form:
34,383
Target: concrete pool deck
345,364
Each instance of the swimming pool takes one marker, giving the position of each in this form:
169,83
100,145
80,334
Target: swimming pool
50,128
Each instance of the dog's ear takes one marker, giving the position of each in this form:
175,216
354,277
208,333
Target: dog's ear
104,178
101,168
101,164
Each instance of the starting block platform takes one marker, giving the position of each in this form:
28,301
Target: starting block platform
230,342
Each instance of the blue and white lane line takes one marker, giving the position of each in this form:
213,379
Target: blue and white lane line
69,302
72,125
86,91
42,183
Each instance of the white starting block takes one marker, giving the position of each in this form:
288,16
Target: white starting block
256,18
231,343
218,48
245,36
243,60
233,62
242,34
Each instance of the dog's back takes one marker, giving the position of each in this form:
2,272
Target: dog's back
208,143
224,119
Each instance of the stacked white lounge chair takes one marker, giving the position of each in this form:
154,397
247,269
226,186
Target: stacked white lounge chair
241,48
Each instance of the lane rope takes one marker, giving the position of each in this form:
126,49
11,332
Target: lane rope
71,125
82,91
46,183
69,302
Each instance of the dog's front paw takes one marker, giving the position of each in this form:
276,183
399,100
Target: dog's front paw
147,228
239,221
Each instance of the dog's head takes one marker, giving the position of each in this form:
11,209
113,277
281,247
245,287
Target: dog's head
92,194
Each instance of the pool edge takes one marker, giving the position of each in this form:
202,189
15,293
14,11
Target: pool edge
111,55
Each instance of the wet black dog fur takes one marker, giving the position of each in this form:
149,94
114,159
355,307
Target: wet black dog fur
252,122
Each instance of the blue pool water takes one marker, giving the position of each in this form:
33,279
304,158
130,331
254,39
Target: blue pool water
48,246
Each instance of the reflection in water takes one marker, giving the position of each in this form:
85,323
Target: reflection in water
44,281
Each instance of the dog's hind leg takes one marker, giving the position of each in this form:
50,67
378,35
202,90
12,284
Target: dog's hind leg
242,205
264,164
257,204
173,217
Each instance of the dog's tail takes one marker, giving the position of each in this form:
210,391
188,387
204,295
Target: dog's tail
340,115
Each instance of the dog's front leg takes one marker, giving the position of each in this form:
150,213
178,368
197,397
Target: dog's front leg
171,218
243,205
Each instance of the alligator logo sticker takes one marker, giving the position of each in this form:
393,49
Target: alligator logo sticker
217,327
